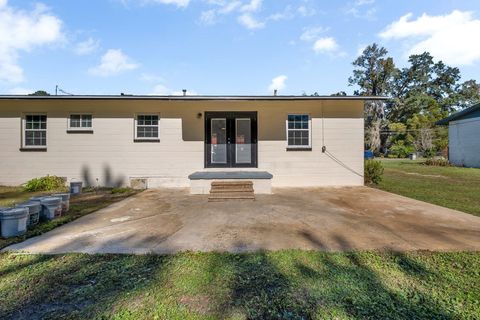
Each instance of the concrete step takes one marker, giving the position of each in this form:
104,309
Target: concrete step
232,190
231,183
231,196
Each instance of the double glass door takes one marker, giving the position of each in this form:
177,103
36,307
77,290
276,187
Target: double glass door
230,139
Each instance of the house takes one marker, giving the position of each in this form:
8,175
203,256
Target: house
184,141
464,137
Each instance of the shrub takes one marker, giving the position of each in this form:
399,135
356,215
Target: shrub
438,162
120,190
48,183
400,150
373,172
430,153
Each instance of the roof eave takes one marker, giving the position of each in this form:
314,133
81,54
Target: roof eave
190,98
458,115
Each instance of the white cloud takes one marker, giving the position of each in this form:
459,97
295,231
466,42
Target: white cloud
362,9
250,22
178,3
22,31
310,34
208,17
360,49
86,47
230,7
252,6
321,44
113,62
451,37
278,83
305,11
325,45
248,12
242,8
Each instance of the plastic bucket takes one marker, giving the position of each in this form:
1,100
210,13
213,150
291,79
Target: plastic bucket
65,201
51,207
34,210
38,200
76,187
14,221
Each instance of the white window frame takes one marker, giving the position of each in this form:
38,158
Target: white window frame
24,129
309,146
70,128
135,138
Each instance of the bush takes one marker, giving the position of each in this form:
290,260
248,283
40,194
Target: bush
48,183
373,172
430,153
438,162
120,190
400,150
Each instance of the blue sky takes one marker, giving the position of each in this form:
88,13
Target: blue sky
220,46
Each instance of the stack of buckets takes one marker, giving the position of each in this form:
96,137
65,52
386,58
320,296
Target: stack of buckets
15,221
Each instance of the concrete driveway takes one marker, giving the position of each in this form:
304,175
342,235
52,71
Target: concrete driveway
169,220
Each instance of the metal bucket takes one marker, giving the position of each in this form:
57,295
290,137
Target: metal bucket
14,221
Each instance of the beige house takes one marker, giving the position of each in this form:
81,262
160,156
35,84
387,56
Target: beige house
183,141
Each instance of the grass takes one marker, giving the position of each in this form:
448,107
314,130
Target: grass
263,285
451,187
290,284
81,205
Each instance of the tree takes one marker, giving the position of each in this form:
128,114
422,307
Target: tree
40,93
421,93
372,73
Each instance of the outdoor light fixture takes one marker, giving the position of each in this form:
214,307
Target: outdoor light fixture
199,115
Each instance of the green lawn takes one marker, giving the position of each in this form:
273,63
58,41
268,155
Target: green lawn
81,205
290,284
280,285
451,187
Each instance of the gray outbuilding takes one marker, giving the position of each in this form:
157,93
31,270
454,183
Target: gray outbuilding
464,137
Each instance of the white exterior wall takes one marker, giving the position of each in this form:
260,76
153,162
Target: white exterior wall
464,142
111,156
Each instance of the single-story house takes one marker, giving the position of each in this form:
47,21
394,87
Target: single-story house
184,141
464,137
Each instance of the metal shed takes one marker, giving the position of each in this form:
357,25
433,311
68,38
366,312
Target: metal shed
464,137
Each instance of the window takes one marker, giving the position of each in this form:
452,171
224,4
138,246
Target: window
146,127
298,131
35,131
80,122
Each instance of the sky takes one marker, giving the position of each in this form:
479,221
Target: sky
221,47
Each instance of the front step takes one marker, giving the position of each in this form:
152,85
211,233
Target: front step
231,190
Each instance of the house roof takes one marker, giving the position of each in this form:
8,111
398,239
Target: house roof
191,98
461,114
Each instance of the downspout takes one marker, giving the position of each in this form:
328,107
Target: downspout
324,148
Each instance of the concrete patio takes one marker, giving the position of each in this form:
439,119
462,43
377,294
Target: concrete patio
170,220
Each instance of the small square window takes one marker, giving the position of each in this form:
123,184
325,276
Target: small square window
35,131
80,122
298,131
146,127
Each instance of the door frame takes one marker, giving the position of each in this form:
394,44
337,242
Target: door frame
231,136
